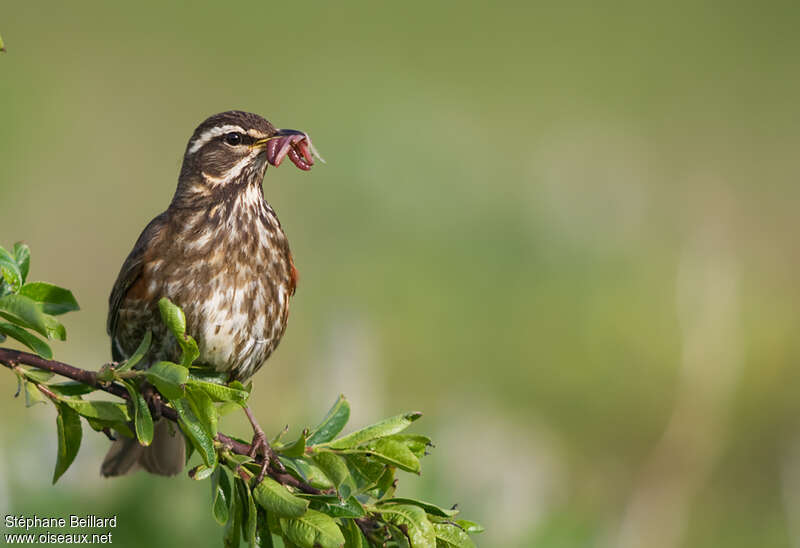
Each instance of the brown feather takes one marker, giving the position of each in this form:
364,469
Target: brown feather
220,254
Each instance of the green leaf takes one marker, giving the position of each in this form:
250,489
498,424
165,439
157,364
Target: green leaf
10,270
239,386
173,317
233,531
205,374
297,448
2,45
142,420
249,514
201,472
37,375
264,534
196,430
273,523
55,329
100,410
26,312
333,466
364,471
70,388
203,408
349,507
189,448
277,500
353,537
386,484
175,320
312,530
228,407
308,472
190,350
412,521
386,427
140,352
451,536
417,443
220,495
428,507
168,378
399,537
33,395
238,460
220,393
22,255
54,300
332,424
470,526
391,452
99,425
68,425
10,276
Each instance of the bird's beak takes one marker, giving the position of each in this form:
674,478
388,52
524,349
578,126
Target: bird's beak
288,142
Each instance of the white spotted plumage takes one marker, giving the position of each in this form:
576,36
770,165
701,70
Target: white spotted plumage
219,253
227,265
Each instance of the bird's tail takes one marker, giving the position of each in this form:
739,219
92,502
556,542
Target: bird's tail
165,456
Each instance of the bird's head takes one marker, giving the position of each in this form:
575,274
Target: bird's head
231,150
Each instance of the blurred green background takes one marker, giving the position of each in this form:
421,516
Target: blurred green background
566,233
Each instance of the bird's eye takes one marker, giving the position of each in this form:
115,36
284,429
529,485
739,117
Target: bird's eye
233,139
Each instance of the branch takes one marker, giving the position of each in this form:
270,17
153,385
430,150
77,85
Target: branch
12,358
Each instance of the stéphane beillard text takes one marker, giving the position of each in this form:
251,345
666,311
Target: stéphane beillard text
37,522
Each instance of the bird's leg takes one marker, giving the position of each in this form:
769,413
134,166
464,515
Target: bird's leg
260,443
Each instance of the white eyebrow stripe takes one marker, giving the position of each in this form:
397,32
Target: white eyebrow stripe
209,134
256,134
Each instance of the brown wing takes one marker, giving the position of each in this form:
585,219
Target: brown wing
128,275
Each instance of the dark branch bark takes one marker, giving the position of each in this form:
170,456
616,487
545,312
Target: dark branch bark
12,358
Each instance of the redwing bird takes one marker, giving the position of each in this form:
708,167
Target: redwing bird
219,253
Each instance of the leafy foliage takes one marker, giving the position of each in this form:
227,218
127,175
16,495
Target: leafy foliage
30,306
342,488
70,434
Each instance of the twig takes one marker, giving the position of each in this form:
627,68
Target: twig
12,358
47,392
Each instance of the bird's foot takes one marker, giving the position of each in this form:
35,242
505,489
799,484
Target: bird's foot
259,445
